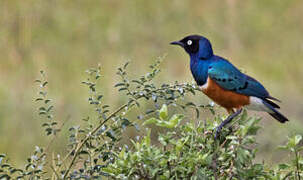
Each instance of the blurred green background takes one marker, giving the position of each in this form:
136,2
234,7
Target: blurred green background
64,37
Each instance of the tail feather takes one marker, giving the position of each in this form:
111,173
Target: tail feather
274,113
272,103
278,116
273,98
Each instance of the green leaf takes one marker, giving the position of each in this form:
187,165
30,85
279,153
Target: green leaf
125,65
163,112
283,147
172,123
45,83
175,120
293,141
111,135
125,123
47,101
119,84
147,139
99,97
122,89
49,108
42,109
45,125
150,121
4,176
162,140
190,104
180,143
203,158
298,138
284,166
110,170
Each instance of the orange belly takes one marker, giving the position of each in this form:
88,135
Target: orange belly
225,98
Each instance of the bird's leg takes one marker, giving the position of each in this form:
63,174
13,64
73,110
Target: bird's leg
226,121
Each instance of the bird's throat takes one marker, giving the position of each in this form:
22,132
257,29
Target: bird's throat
199,69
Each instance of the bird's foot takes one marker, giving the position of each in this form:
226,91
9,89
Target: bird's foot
218,130
226,121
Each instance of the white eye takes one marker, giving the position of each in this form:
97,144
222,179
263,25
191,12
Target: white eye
189,42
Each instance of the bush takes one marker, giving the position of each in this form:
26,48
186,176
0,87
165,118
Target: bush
184,149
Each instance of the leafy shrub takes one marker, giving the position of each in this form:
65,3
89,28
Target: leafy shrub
184,149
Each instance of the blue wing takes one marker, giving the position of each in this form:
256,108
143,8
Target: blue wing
230,78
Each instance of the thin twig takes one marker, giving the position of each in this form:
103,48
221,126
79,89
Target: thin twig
55,172
79,147
55,136
298,165
214,161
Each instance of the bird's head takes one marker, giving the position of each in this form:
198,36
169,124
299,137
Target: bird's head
196,45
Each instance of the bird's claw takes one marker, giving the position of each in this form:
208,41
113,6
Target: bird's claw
226,121
217,133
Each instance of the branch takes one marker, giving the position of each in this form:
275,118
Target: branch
79,147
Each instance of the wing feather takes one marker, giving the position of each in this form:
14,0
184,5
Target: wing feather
230,78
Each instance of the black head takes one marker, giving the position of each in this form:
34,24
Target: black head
196,45
189,43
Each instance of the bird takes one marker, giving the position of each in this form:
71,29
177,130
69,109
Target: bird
224,83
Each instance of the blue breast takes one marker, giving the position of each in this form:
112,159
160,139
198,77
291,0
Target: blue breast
199,69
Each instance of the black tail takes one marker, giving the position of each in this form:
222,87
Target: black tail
275,114
278,116
272,103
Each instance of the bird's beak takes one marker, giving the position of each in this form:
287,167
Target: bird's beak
177,43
